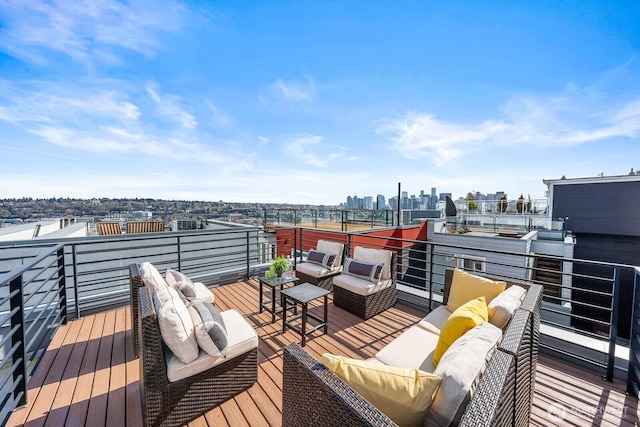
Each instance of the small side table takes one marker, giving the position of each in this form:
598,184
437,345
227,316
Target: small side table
303,294
274,283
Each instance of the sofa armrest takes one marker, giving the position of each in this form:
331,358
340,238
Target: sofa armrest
313,395
492,402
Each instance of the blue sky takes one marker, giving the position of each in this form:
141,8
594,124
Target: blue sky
310,101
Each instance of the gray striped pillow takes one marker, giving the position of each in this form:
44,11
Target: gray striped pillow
210,330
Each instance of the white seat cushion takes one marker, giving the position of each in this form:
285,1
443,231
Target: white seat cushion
460,368
316,270
411,349
435,319
241,339
375,256
360,286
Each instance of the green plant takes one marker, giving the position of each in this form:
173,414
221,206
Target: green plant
280,265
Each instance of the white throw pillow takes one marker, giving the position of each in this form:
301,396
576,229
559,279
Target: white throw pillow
151,277
175,324
502,307
181,282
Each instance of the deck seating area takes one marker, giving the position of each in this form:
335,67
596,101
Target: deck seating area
90,376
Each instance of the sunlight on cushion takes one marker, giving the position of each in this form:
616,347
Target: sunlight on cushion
404,395
465,318
466,286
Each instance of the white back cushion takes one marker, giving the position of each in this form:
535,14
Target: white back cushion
175,323
460,369
332,248
502,307
375,256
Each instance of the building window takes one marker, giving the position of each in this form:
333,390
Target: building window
473,264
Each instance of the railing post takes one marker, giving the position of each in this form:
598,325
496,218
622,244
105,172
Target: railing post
430,276
613,332
18,341
179,243
248,261
295,257
62,284
76,292
633,370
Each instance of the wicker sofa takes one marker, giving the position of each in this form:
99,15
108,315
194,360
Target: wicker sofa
313,395
362,297
173,392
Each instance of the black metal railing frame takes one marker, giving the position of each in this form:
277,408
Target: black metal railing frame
69,266
37,307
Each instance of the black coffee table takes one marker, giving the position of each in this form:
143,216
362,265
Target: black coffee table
274,283
303,294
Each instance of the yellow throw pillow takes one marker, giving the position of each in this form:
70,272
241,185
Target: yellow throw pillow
465,318
466,286
402,394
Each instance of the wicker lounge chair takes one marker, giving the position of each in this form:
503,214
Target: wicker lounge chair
168,403
312,395
319,275
367,305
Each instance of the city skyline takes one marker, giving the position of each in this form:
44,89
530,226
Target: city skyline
294,102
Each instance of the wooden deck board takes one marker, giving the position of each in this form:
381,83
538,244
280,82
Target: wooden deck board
89,376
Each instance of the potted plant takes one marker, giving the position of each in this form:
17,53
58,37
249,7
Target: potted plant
279,265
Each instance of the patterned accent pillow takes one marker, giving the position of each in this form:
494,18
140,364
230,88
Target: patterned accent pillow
180,282
363,270
210,330
321,258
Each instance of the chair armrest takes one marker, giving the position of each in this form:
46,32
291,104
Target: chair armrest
313,395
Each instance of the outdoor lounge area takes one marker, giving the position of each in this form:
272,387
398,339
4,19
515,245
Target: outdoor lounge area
89,374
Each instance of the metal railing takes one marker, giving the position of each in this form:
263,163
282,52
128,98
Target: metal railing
33,307
50,282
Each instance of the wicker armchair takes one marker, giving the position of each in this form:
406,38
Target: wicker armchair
366,306
167,403
305,271
312,395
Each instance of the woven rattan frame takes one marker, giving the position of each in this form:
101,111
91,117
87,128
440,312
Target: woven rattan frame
135,282
366,306
167,403
325,282
314,396
311,395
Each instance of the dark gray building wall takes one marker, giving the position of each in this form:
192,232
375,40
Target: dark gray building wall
611,208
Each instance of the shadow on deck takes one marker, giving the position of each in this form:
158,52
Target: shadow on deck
89,376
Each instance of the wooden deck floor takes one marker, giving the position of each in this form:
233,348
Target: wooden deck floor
89,376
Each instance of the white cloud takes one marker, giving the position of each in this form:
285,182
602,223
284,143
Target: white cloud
167,106
571,118
89,119
293,91
301,146
86,31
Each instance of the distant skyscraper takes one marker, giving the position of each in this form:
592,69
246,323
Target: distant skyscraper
381,204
